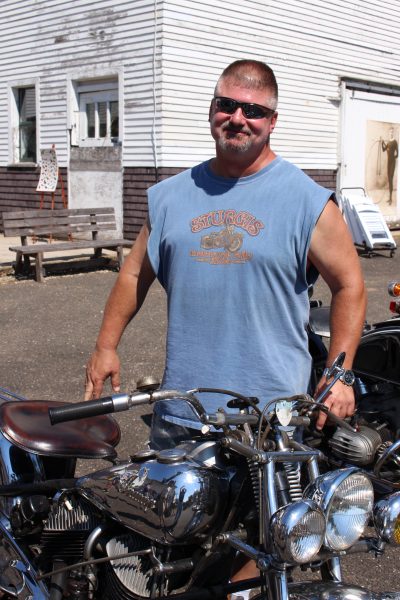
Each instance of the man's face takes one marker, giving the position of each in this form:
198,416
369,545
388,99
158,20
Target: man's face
234,133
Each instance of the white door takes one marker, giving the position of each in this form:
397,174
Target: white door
370,147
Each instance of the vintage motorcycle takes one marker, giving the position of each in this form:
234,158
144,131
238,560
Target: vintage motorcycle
377,361
170,523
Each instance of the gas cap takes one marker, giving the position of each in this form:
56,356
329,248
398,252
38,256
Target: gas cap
171,455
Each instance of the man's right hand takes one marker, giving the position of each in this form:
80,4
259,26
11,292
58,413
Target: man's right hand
101,365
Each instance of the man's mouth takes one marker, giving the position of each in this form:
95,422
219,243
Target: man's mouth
234,132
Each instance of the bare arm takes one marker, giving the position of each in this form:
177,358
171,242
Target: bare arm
332,252
125,300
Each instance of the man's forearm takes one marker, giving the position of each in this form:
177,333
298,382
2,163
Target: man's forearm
347,318
120,308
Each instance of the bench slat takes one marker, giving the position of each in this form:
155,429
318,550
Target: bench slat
49,220
57,247
62,229
57,212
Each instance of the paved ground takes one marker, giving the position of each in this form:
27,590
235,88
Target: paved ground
48,332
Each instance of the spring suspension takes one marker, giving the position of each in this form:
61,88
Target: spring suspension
293,476
255,481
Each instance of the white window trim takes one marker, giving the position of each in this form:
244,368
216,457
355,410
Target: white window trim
82,82
94,97
13,137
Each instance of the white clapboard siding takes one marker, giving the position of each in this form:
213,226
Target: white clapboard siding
57,40
169,54
310,45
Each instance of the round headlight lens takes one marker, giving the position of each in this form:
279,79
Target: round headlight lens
387,519
349,511
347,497
298,531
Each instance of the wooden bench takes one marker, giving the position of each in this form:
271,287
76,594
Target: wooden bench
62,223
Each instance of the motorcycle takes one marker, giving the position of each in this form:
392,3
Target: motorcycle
170,523
377,383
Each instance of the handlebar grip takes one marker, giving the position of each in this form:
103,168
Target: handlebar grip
81,410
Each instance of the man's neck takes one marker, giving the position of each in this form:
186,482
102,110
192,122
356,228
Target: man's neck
236,165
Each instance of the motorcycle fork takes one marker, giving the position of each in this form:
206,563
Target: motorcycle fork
275,575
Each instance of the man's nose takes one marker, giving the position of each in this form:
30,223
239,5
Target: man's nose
238,116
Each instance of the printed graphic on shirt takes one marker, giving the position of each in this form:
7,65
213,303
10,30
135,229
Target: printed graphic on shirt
224,244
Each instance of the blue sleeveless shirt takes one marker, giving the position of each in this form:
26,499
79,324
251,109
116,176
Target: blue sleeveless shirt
231,255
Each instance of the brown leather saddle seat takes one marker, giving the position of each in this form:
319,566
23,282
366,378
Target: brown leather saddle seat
27,425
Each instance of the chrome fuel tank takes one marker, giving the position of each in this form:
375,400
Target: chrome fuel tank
172,496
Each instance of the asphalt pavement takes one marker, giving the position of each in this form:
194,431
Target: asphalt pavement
48,332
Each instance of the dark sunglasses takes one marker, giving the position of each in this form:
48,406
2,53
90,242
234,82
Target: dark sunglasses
250,110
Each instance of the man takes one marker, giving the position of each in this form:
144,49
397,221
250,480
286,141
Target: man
230,240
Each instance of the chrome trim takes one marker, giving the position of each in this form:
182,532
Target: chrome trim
318,590
386,519
8,475
22,566
7,395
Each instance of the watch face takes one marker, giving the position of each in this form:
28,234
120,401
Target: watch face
348,377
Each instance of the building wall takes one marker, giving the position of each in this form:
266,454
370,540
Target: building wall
168,55
310,45
18,189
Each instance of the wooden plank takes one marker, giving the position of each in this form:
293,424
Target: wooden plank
64,246
50,221
59,212
62,229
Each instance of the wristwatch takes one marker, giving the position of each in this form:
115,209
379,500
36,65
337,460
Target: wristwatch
347,377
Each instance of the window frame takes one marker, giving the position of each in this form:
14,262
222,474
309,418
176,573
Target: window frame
14,145
84,90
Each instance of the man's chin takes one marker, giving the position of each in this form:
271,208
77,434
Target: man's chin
234,146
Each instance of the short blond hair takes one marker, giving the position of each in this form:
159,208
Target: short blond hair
252,74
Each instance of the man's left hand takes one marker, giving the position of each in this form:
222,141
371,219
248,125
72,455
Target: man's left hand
340,400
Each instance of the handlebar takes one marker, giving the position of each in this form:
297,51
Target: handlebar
94,408
81,410
122,402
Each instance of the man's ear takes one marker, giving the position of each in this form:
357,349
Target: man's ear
273,122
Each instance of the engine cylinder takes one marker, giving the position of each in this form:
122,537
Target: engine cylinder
359,447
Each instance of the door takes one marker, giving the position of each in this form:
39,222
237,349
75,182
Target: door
370,147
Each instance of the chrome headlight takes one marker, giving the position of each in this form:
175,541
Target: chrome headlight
387,519
298,531
346,496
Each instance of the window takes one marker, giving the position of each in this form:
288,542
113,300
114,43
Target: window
98,112
23,119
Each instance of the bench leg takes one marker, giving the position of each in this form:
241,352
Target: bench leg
120,253
98,252
39,267
18,263
22,264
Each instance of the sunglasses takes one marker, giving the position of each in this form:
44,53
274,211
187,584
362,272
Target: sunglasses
250,110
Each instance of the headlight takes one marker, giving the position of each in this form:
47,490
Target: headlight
387,519
346,497
298,531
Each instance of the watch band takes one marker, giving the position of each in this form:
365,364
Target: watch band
347,376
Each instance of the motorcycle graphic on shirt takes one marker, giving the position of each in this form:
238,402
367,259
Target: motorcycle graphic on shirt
226,238
224,243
